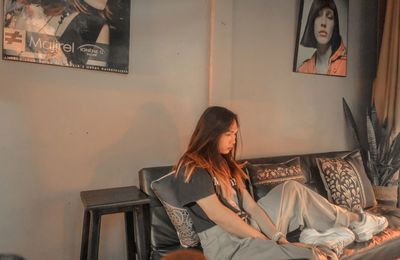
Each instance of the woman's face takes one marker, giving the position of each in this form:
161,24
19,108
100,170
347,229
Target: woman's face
323,26
227,140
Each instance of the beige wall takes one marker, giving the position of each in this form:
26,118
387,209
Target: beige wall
297,112
67,130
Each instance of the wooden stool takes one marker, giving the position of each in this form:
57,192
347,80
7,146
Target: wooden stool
130,200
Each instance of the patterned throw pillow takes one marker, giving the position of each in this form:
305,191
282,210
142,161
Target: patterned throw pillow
264,177
346,182
163,188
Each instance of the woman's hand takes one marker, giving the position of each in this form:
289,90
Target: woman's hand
226,218
260,216
283,240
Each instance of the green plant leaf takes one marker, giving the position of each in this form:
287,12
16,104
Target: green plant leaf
395,148
371,136
393,161
383,178
381,157
375,122
385,144
381,147
388,175
372,170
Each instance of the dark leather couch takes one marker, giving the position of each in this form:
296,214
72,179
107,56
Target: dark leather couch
162,237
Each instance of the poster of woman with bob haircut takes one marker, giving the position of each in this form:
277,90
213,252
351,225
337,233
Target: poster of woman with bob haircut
322,37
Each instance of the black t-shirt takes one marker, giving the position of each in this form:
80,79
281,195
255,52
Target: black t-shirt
199,186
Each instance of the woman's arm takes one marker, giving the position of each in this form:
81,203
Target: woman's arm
261,217
226,218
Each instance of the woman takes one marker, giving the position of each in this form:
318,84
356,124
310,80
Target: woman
322,33
231,225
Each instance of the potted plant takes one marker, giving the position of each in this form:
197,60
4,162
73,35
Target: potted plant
381,156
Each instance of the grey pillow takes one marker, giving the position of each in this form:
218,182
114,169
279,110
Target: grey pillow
165,191
345,181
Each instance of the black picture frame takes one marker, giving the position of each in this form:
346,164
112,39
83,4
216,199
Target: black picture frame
307,44
88,34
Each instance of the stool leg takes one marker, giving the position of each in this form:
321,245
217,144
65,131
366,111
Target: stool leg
94,235
146,228
140,233
129,232
85,235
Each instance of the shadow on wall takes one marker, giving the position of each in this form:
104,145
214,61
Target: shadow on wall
367,50
152,139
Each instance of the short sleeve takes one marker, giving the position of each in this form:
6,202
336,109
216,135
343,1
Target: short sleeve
199,186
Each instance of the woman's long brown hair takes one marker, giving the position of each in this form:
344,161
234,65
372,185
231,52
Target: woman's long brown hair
57,7
203,150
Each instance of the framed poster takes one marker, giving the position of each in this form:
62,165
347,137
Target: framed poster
89,34
321,45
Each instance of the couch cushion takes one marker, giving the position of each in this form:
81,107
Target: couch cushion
266,176
164,189
345,181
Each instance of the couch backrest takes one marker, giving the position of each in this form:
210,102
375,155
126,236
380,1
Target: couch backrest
308,165
163,234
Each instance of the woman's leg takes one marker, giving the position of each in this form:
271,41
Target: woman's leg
219,244
292,205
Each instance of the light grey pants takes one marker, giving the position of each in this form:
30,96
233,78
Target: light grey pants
290,205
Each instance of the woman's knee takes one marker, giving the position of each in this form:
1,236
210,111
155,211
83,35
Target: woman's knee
293,185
